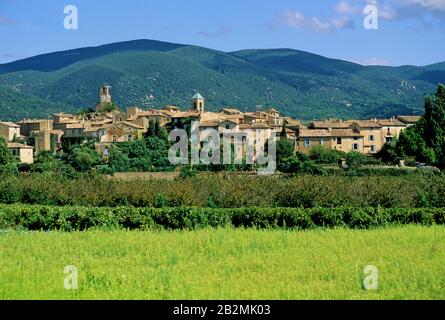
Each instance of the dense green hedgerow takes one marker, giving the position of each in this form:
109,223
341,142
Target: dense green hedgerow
227,191
82,218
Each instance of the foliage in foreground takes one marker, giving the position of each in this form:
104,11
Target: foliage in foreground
83,218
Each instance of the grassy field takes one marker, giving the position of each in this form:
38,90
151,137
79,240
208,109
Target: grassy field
225,264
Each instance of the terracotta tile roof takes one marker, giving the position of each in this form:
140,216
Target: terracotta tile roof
27,121
131,125
213,116
169,108
292,122
322,133
314,133
10,124
99,123
327,124
287,130
231,110
365,123
409,119
188,114
148,113
391,123
254,126
208,124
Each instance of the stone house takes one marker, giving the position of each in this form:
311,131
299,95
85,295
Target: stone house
23,152
9,131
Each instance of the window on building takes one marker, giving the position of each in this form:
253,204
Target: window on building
355,146
338,140
130,137
321,142
228,127
388,139
371,138
306,143
355,138
373,148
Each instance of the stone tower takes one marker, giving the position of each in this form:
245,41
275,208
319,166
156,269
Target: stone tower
105,96
198,102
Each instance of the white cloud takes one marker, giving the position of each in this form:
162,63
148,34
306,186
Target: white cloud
342,23
296,19
386,12
406,8
344,7
425,12
432,5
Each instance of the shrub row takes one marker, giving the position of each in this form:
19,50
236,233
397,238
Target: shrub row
227,191
47,218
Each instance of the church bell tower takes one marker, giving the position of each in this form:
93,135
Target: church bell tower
198,103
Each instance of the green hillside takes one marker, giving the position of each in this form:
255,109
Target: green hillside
153,74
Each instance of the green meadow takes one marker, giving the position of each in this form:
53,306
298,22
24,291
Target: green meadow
225,264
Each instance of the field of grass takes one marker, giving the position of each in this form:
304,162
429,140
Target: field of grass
225,264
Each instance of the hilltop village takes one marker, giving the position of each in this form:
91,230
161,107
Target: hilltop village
108,125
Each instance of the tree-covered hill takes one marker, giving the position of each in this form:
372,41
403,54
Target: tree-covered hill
153,74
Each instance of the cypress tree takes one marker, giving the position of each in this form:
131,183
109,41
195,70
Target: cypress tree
439,123
428,129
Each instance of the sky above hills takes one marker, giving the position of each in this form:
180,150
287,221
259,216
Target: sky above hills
409,31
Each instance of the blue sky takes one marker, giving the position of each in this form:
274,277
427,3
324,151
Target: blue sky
410,31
